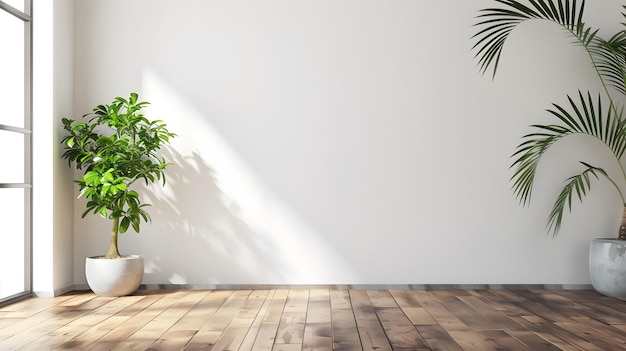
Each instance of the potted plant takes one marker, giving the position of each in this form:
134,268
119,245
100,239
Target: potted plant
598,114
115,146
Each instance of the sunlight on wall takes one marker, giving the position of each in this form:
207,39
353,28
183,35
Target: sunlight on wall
43,92
303,254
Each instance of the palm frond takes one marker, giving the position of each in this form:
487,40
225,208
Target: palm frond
578,186
609,58
496,24
581,117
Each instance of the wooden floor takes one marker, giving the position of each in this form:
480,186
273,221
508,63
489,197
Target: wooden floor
318,320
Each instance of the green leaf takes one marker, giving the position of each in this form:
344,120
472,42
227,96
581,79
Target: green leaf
91,178
125,223
107,177
135,223
577,185
70,142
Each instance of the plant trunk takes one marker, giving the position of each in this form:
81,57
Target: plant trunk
113,251
622,226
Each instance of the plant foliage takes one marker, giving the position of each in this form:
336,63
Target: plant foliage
115,146
583,115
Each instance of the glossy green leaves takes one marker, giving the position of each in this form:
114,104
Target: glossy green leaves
115,147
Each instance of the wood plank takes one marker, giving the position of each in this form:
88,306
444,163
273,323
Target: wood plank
507,302
266,335
438,338
549,331
291,328
399,329
319,319
419,316
93,334
90,337
81,299
439,312
538,306
470,317
318,329
470,340
147,334
381,298
31,306
495,317
235,333
467,338
319,307
42,325
292,323
501,340
297,301
287,347
594,306
562,314
412,308
61,337
612,333
344,331
371,332
210,332
340,299
556,335
532,341
255,327
8,321
140,318
448,295
176,337
607,340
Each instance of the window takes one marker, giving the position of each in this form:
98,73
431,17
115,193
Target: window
15,149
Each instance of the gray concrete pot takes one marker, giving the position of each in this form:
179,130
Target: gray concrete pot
114,277
607,266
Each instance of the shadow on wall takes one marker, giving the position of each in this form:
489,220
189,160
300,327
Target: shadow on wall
206,228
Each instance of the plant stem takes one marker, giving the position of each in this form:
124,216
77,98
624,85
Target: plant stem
617,188
113,250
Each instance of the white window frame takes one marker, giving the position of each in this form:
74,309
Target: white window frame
26,17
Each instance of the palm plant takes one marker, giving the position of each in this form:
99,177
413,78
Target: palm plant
116,146
597,116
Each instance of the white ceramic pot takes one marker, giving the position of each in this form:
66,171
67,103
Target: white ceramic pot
607,266
114,277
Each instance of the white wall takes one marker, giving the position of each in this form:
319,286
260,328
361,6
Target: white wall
339,142
53,200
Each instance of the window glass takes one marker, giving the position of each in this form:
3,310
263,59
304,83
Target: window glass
12,156
12,70
15,205
12,217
